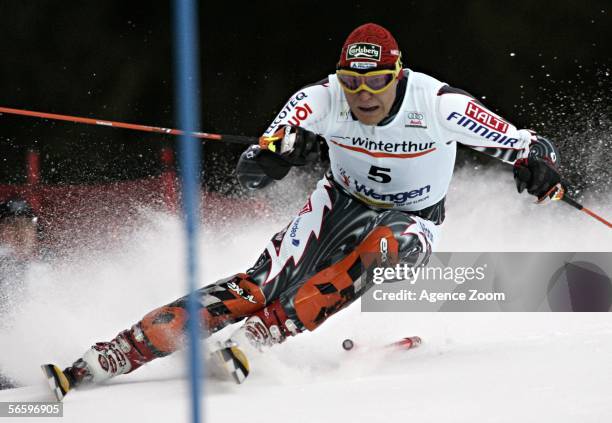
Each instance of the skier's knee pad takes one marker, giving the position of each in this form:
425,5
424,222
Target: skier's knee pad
164,328
413,248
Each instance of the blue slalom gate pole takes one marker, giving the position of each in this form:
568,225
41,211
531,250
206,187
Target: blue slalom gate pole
187,85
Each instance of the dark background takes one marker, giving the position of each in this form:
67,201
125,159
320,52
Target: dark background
542,65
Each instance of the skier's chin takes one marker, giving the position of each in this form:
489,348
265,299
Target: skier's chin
370,115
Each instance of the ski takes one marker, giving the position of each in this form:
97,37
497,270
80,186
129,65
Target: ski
227,360
406,343
59,383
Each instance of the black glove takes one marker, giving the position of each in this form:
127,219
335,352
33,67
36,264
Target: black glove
289,146
249,172
535,174
296,145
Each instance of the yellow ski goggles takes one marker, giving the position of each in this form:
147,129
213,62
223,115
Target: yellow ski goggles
374,82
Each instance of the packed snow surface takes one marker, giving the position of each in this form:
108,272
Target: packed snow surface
472,367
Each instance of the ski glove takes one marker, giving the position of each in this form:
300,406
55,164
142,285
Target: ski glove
249,172
289,146
537,175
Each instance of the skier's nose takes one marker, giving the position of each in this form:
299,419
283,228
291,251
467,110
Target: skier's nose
364,95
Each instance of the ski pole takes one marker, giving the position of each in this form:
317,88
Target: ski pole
580,207
235,139
557,193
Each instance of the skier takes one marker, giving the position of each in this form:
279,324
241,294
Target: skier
391,135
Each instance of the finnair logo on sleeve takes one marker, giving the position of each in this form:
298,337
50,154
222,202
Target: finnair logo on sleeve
484,117
479,128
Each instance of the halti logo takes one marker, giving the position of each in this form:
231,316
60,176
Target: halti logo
363,51
481,115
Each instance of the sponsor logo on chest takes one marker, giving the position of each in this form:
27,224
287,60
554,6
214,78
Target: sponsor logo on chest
392,147
370,196
344,114
415,120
